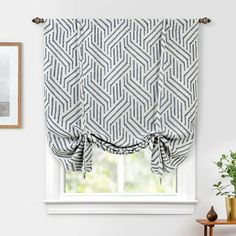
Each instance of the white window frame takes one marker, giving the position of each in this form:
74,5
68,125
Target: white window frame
58,202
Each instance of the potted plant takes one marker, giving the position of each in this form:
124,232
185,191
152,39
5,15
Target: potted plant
227,186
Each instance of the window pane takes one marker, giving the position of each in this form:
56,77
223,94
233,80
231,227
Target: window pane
140,179
103,178
111,171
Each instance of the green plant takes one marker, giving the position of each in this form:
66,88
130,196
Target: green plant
227,170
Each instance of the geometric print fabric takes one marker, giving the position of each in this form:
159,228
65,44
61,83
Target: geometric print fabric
123,85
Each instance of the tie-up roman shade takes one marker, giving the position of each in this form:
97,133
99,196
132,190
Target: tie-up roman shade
123,85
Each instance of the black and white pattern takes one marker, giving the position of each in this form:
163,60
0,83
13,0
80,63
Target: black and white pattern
123,85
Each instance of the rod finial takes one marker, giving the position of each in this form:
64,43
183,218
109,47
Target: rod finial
204,20
38,20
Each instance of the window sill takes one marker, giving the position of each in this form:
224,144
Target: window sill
72,207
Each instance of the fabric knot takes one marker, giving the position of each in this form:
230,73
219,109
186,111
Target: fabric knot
87,154
159,157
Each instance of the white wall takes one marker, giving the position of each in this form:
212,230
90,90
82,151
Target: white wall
22,151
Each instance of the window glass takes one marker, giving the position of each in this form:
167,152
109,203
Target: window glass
128,174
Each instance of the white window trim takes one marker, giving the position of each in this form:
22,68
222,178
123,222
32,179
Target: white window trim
58,202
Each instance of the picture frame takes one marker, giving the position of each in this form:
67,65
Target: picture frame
10,84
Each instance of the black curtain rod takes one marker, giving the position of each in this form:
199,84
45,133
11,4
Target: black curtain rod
38,20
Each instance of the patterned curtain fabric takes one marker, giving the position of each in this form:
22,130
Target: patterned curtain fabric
123,85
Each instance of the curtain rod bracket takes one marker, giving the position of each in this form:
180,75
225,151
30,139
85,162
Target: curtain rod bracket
38,20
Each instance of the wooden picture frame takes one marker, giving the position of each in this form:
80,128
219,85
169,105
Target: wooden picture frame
10,84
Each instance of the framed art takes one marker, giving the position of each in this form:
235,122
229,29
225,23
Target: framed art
10,85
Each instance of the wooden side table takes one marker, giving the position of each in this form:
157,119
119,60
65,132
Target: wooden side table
210,224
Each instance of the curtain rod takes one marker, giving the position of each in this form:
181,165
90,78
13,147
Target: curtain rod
38,20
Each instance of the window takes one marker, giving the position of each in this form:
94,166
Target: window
119,174
120,185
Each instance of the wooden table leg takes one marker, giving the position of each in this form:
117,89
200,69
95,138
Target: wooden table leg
211,230
205,230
